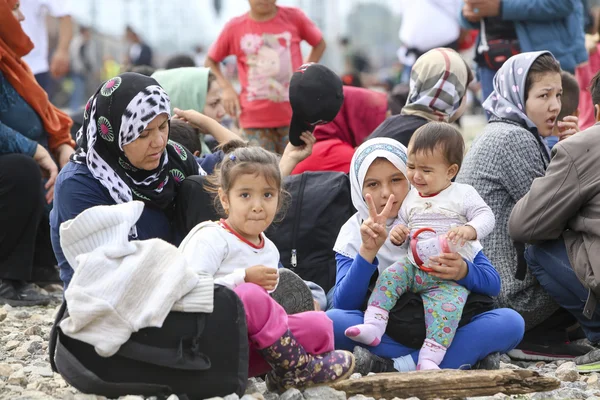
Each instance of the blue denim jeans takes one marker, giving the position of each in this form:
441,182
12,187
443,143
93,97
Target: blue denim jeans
486,78
550,264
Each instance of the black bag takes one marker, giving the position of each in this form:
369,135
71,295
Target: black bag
193,355
500,50
321,204
193,205
406,323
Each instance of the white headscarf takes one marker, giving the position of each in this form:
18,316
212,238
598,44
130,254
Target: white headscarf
349,240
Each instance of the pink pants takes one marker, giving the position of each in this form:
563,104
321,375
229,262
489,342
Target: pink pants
267,321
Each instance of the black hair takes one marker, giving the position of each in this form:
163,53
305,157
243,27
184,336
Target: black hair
439,135
544,64
595,88
186,135
570,95
397,98
180,61
142,69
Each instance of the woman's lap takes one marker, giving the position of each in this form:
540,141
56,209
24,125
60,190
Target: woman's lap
498,330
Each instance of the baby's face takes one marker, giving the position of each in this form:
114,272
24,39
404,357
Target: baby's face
429,172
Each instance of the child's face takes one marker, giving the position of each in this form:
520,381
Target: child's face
252,205
382,180
429,172
543,102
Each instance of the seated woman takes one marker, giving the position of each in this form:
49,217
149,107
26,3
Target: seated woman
502,163
379,169
32,131
192,88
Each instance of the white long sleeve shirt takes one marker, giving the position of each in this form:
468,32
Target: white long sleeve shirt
214,248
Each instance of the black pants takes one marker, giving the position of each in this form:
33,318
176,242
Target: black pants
21,210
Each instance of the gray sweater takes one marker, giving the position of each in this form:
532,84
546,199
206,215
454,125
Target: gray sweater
501,164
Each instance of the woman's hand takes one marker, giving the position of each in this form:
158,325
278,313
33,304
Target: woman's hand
49,170
292,155
372,231
260,275
63,154
567,127
448,266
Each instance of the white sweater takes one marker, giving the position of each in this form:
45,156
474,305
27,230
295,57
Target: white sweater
457,205
213,249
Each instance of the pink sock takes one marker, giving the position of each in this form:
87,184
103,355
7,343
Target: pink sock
372,330
431,355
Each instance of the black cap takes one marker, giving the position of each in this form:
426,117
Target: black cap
316,96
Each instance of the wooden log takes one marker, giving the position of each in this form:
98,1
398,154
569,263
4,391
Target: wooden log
448,384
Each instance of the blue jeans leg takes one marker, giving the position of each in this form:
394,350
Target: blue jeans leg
486,78
550,264
494,331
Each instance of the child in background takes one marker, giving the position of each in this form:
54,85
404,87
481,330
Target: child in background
569,108
299,347
186,135
435,155
266,42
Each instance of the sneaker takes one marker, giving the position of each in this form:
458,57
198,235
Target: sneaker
21,296
292,293
589,362
549,351
489,362
368,362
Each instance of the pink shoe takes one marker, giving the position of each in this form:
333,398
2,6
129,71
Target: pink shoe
431,355
372,330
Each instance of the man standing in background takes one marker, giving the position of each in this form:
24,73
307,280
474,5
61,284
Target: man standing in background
35,26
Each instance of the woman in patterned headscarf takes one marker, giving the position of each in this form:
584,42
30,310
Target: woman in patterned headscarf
502,164
124,154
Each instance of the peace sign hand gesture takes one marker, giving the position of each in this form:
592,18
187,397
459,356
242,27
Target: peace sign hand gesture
372,231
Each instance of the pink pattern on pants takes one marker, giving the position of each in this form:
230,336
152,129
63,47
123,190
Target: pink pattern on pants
267,321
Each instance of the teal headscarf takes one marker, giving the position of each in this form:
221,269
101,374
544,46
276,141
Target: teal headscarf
187,88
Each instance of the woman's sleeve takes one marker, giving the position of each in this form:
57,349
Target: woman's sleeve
12,142
482,276
352,281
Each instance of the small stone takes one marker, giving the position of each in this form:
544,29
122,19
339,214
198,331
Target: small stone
173,397
17,378
13,344
214,398
323,393
250,396
504,365
81,396
33,330
356,375
22,352
3,314
6,370
570,394
7,308
31,395
35,346
560,362
567,372
232,396
45,371
256,386
540,364
361,397
371,374
592,380
292,394
267,396
22,315
130,397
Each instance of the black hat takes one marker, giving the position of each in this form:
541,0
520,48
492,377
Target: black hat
316,97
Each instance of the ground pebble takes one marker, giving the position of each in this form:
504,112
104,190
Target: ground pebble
567,372
323,393
292,394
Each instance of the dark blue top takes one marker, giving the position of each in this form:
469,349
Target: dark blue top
76,190
353,277
21,129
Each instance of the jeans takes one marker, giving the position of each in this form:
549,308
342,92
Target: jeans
550,264
486,78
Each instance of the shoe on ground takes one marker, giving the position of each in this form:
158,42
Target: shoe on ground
292,293
46,275
489,362
548,351
589,362
19,295
367,362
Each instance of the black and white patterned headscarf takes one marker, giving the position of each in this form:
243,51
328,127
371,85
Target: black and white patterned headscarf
115,116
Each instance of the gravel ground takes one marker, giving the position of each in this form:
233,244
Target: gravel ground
25,370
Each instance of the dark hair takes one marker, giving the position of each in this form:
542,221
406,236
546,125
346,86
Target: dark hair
186,135
240,159
544,64
211,78
180,61
595,88
439,135
397,98
142,69
570,95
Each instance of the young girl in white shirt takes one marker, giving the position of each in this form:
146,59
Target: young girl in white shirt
434,206
299,347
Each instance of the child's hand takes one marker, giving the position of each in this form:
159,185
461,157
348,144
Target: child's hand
300,153
372,230
461,234
231,101
266,277
194,118
399,234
